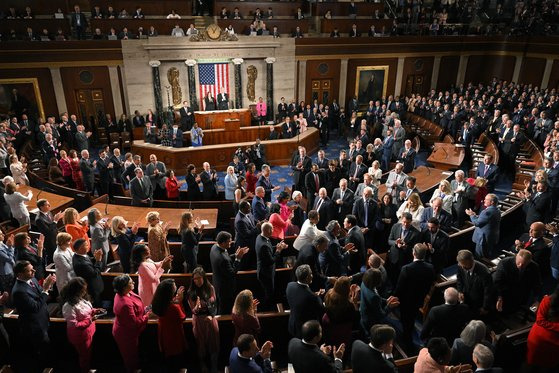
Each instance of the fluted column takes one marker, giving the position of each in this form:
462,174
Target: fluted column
238,83
192,84
157,88
270,87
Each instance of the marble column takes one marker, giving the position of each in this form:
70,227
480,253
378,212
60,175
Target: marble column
517,67
399,77
157,88
546,73
192,84
462,66
270,87
343,82
435,74
115,90
59,89
238,83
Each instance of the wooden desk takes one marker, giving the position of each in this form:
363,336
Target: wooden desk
217,118
285,26
138,214
162,26
226,136
447,156
427,179
57,202
278,152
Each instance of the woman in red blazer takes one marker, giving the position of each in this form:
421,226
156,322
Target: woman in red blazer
251,178
167,304
130,320
543,340
172,185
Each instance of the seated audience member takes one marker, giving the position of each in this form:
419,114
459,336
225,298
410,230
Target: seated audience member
248,357
167,304
341,305
483,359
89,269
244,315
446,320
306,356
177,32
543,340
375,309
63,260
517,282
463,347
435,358
304,305
377,355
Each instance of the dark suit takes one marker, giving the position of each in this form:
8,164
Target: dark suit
222,101
312,187
490,175
90,270
540,250
178,140
304,305
33,324
224,269
537,208
356,259
358,172
243,365
447,321
476,287
325,212
334,261
518,288
47,226
307,358
459,202
86,167
347,203
445,219
486,232
398,257
246,232
439,241
413,285
79,23
105,175
266,260
365,359
299,174
210,189
259,209
186,119
309,255
267,185
140,192
408,159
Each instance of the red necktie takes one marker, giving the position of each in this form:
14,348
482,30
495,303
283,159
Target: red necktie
527,244
316,182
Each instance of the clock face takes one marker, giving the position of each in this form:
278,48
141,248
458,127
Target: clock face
213,31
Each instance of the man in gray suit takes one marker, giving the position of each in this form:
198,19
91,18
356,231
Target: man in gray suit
460,195
141,189
88,168
396,178
156,170
399,137
82,138
486,233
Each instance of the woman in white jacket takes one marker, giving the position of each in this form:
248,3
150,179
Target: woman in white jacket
63,260
16,201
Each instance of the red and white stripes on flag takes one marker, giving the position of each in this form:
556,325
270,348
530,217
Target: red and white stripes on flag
213,78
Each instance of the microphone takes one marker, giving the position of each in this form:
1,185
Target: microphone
107,207
444,150
190,206
38,194
428,169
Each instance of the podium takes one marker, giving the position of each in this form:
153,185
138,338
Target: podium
446,156
217,119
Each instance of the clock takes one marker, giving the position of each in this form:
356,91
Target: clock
213,31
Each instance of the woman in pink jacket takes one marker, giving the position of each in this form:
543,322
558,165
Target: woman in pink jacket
131,318
80,319
261,111
149,272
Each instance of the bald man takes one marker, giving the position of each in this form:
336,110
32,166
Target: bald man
535,244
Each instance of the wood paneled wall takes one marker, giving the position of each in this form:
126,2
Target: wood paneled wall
45,85
101,81
554,78
532,70
482,68
416,68
352,73
329,70
447,71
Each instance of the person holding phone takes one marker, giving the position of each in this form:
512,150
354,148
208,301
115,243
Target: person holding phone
80,318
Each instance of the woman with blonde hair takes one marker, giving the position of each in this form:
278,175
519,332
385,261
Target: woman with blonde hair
62,259
414,206
375,172
18,170
191,232
125,237
230,183
244,315
157,236
444,192
74,226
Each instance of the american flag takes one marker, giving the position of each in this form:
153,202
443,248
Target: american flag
213,77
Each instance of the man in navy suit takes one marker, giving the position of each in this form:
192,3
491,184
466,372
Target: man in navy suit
436,211
373,357
551,168
387,150
486,233
246,231
248,358
488,171
30,300
259,209
365,210
265,182
356,172
175,135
